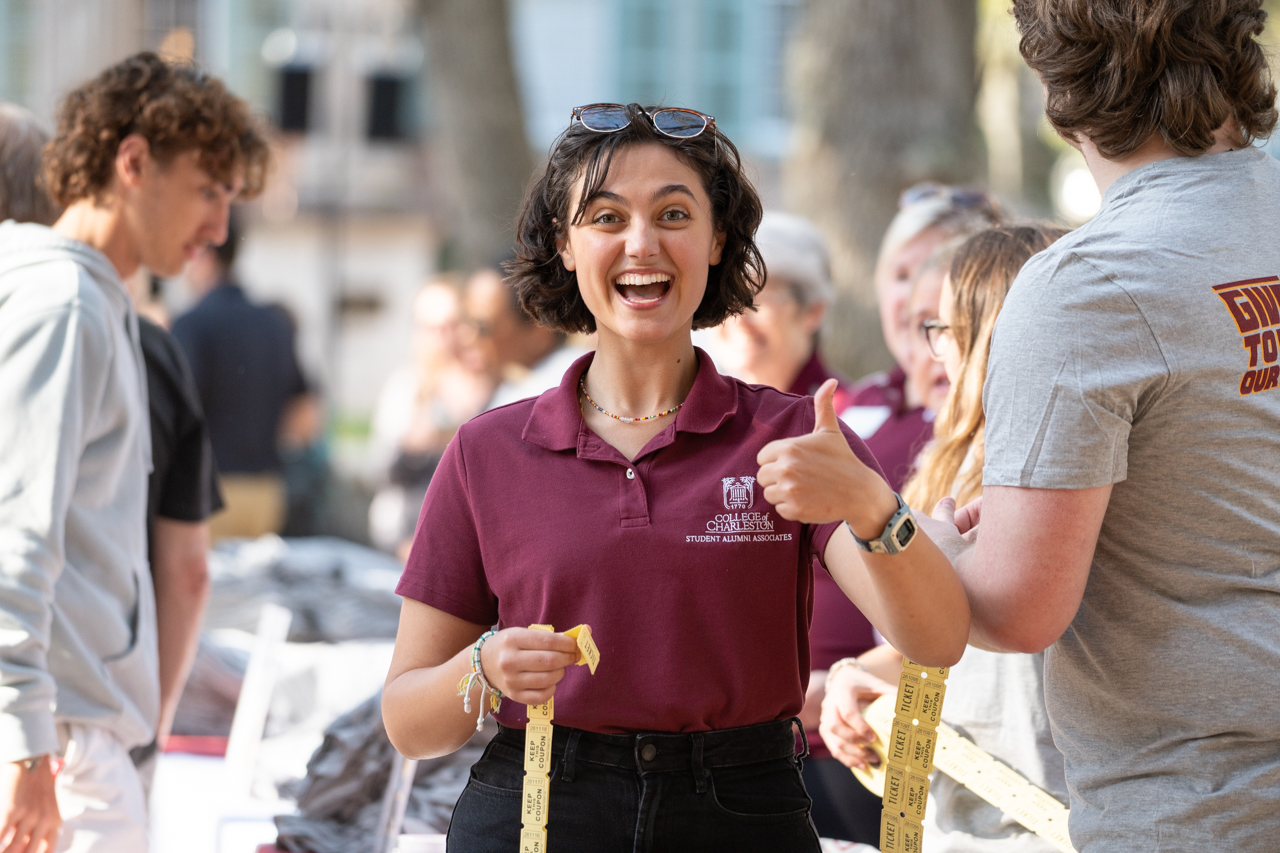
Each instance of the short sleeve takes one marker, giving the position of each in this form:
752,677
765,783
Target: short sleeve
295,381
1073,363
445,568
189,491
821,533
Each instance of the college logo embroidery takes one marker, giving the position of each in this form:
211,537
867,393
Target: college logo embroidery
739,492
1255,307
738,523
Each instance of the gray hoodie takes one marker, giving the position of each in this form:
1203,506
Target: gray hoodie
77,611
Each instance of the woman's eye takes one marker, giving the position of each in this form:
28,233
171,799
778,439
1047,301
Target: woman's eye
607,219
674,215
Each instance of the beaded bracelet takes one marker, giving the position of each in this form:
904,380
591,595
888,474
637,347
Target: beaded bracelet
842,663
477,675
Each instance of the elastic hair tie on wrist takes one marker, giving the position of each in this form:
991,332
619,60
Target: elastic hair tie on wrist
477,675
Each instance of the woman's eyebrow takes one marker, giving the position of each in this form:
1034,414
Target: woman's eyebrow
675,188
607,196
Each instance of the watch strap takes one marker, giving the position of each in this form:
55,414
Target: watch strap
898,533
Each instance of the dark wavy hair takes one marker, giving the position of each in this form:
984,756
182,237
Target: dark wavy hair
176,107
549,292
1117,71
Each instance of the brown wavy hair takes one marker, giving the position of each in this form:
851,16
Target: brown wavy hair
175,107
549,292
1118,71
982,271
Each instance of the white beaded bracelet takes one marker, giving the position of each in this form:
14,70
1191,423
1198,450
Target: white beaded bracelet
841,664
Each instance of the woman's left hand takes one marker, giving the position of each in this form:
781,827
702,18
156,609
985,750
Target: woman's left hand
816,478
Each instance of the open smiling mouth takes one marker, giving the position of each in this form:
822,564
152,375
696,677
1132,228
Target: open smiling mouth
642,289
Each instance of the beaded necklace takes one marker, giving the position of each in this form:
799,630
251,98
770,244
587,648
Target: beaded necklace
582,386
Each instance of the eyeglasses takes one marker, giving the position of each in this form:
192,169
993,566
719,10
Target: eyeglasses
960,198
669,121
934,331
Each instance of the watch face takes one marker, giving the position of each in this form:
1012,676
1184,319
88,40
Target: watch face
905,532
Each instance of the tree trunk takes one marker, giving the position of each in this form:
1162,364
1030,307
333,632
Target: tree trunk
883,94
478,122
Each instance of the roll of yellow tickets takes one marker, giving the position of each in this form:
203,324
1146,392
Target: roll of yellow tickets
967,763
908,758
536,796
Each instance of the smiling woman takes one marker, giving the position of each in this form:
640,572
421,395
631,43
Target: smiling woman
675,510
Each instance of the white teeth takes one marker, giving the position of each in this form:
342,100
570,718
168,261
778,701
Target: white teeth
637,279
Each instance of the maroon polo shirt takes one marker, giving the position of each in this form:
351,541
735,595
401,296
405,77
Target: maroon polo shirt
697,592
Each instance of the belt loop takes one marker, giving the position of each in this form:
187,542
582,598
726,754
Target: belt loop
804,740
699,773
570,751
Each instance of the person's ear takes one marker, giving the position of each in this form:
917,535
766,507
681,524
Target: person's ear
812,317
564,249
717,246
132,159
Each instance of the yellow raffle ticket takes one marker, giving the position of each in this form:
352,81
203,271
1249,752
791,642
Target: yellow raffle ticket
910,730
537,750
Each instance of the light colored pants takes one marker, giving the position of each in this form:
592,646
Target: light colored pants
99,794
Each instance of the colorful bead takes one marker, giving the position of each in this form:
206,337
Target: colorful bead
582,386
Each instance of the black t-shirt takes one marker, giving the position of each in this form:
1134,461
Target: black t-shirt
184,481
242,358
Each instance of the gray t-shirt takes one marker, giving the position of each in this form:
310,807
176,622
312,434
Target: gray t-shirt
997,701
1141,351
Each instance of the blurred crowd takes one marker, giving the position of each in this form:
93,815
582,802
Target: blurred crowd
206,426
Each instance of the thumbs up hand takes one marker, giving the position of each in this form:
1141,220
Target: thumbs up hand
816,478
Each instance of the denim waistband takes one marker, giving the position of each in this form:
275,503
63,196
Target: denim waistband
664,752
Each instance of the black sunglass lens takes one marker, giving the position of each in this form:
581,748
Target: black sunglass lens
604,119
679,123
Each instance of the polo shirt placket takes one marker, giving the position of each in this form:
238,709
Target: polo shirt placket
633,499
698,593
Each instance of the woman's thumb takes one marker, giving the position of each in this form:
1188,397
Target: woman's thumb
824,408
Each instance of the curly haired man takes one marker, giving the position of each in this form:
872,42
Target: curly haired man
1130,522
146,160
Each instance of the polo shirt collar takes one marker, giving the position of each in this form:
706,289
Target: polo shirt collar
556,421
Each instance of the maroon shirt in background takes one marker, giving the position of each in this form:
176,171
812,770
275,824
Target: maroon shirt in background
698,593
838,628
894,433
811,377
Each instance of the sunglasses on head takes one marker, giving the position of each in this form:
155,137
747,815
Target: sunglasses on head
960,198
675,122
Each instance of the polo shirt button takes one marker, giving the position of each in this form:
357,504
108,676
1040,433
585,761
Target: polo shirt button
648,752
631,474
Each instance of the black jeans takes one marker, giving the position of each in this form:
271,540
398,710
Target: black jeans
733,790
842,807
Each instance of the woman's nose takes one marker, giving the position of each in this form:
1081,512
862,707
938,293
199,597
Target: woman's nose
642,240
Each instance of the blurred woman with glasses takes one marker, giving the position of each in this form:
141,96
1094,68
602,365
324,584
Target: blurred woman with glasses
887,410
996,700
676,511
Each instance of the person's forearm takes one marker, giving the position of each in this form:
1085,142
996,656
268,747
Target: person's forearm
884,662
914,598
811,713
423,712
180,570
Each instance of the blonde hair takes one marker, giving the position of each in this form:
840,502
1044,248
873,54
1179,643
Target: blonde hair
981,273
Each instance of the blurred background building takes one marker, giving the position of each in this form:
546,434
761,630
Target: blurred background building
397,158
